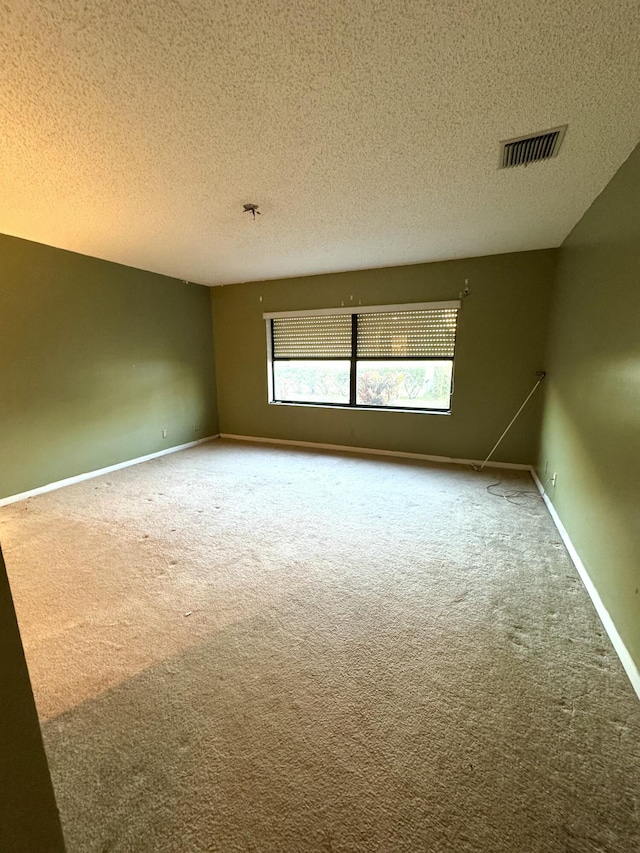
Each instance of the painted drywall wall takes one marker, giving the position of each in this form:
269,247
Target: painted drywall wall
591,424
96,359
500,346
29,818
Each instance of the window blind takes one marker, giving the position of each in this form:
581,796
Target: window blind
312,337
408,334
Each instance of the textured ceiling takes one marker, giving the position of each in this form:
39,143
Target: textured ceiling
367,131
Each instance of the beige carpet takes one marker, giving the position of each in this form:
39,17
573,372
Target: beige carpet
241,648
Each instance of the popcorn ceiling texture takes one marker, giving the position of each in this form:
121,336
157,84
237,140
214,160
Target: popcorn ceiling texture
240,648
366,131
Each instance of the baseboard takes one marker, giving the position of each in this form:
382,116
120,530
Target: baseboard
345,448
69,481
605,617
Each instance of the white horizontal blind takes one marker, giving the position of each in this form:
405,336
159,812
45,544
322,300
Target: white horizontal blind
408,334
312,337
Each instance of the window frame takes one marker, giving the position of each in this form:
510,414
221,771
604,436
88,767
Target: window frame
354,359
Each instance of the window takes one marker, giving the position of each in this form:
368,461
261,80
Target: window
396,356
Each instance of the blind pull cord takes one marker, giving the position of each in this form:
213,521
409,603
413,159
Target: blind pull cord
541,374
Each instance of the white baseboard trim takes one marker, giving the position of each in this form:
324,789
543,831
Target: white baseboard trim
69,481
607,622
374,451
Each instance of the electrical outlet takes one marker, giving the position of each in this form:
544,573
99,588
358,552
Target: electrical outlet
554,479
196,427
164,433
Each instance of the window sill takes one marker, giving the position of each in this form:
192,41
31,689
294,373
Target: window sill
361,408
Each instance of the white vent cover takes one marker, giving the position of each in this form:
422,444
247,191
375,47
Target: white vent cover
532,148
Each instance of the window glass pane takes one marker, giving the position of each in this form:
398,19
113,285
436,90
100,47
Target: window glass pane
406,384
306,381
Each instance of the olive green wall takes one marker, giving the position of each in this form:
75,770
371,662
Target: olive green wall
501,341
29,819
591,427
95,360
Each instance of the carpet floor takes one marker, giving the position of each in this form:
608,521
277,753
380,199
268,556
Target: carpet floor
246,648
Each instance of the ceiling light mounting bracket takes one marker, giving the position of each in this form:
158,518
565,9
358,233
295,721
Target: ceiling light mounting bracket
251,208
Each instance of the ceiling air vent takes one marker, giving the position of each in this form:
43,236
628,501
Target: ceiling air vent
532,148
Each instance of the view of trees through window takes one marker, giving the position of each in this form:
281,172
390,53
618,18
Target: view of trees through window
399,384
404,384
304,381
